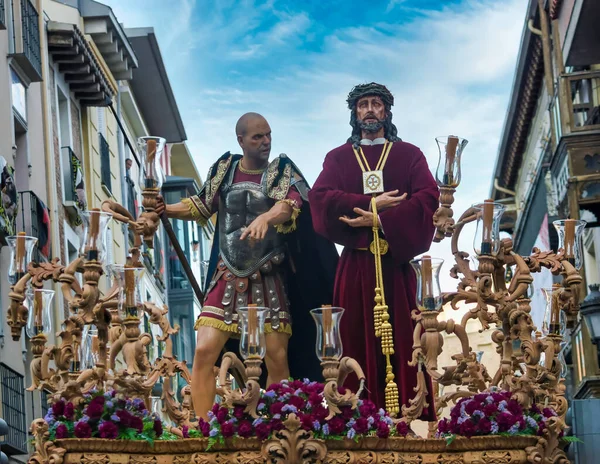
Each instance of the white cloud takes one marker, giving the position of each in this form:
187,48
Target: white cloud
450,72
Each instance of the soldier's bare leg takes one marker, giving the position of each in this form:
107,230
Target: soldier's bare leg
209,343
276,359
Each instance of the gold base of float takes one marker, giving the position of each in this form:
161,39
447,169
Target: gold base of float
294,445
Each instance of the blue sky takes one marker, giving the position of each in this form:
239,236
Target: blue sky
449,64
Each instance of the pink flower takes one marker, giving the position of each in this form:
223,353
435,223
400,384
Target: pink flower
215,408
185,430
227,429
402,428
262,431
238,412
276,407
471,407
361,426
505,421
297,401
58,408
245,429
204,427
443,426
124,417
367,409
336,425
83,430
69,411
158,428
276,425
314,398
490,409
108,430
515,408
95,410
136,423
484,426
467,428
61,431
222,414
383,430
306,422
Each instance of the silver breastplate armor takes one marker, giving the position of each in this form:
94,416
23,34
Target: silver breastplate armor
239,205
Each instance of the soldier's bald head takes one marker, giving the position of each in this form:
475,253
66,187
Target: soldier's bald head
241,128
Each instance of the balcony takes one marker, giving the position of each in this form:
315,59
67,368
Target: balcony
583,90
105,175
34,220
13,411
26,39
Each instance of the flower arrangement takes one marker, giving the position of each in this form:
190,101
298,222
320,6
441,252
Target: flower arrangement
493,413
304,399
103,415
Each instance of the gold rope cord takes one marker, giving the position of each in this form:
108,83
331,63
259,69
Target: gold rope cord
383,328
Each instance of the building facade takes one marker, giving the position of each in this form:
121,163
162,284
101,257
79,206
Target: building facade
77,89
548,169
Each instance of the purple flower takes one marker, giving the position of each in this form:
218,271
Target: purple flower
337,425
402,428
262,431
495,429
531,422
270,394
115,418
361,425
136,423
289,408
213,432
383,430
325,430
109,404
261,406
478,414
316,425
69,411
58,408
49,418
204,427
514,429
222,414
351,434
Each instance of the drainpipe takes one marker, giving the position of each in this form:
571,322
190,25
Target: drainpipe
124,192
502,189
48,144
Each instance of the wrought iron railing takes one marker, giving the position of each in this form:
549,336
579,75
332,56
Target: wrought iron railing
2,14
30,220
31,34
13,410
105,175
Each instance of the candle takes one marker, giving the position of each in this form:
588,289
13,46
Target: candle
570,239
327,336
427,284
450,156
488,219
93,233
130,306
150,155
38,306
555,310
252,329
20,255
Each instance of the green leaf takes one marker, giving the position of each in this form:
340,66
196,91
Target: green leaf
450,439
147,438
193,433
212,441
572,439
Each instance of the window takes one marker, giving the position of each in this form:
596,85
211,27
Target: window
13,410
19,96
105,164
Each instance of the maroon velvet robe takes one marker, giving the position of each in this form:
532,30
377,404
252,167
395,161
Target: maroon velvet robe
408,228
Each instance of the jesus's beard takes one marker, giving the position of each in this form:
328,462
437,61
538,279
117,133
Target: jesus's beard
371,127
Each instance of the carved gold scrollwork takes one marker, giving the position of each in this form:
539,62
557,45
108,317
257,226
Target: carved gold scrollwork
294,445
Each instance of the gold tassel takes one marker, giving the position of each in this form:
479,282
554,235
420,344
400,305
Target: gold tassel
381,318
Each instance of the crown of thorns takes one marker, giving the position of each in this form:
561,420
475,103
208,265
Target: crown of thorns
373,88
